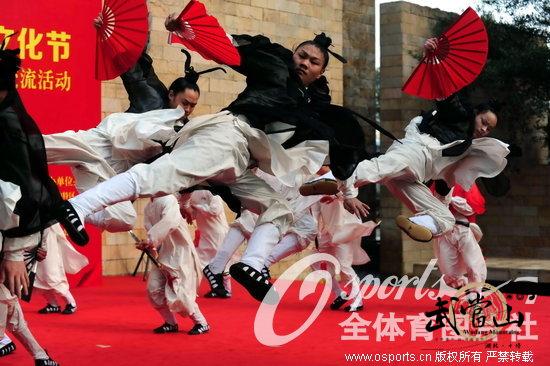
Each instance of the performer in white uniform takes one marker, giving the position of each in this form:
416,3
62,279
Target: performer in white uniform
299,234
51,279
458,254
172,288
11,314
209,212
120,141
448,143
9,195
340,235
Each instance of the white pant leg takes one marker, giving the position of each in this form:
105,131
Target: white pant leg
344,254
11,318
288,245
156,283
230,244
259,197
472,257
116,218
260,244
218,151
448,258
420,200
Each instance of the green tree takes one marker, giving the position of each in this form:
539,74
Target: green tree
517,72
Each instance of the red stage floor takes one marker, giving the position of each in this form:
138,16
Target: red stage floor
114,322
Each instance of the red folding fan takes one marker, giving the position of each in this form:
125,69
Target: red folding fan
202,33
460,56
121,37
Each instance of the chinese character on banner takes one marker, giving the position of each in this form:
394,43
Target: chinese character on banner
59,41
27,79
63,81
28,41
4,32
45,80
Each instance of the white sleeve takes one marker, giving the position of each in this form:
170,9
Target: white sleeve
169,221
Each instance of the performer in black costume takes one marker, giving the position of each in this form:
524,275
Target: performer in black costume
23,163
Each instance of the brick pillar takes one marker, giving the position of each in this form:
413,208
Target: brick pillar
403,30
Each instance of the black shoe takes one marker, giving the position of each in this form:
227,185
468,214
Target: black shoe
215,280
69,309
68,218
254,282
49,309
7,349
352,309
199,329
266,273
45,362
212,294
166,328
337,303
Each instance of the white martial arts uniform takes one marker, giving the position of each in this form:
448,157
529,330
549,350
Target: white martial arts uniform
458,254
219,148
120,141
299,234
340,234
11,314
51,279
167,230
209,213
418,158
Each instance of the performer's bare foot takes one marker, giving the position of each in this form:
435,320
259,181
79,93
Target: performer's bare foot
319,186
414,231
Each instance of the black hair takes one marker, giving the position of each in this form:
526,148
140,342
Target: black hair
180,84
491,105
323,42
9,65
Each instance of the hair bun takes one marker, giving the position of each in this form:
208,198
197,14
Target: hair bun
322,40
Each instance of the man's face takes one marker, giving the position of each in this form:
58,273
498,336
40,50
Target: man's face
187,99
484,123
308,63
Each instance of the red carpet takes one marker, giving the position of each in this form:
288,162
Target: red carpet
114,321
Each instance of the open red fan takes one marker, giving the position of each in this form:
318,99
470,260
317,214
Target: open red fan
121,37
202,33
456,62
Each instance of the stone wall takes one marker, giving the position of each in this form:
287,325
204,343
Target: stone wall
284,21
518,225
